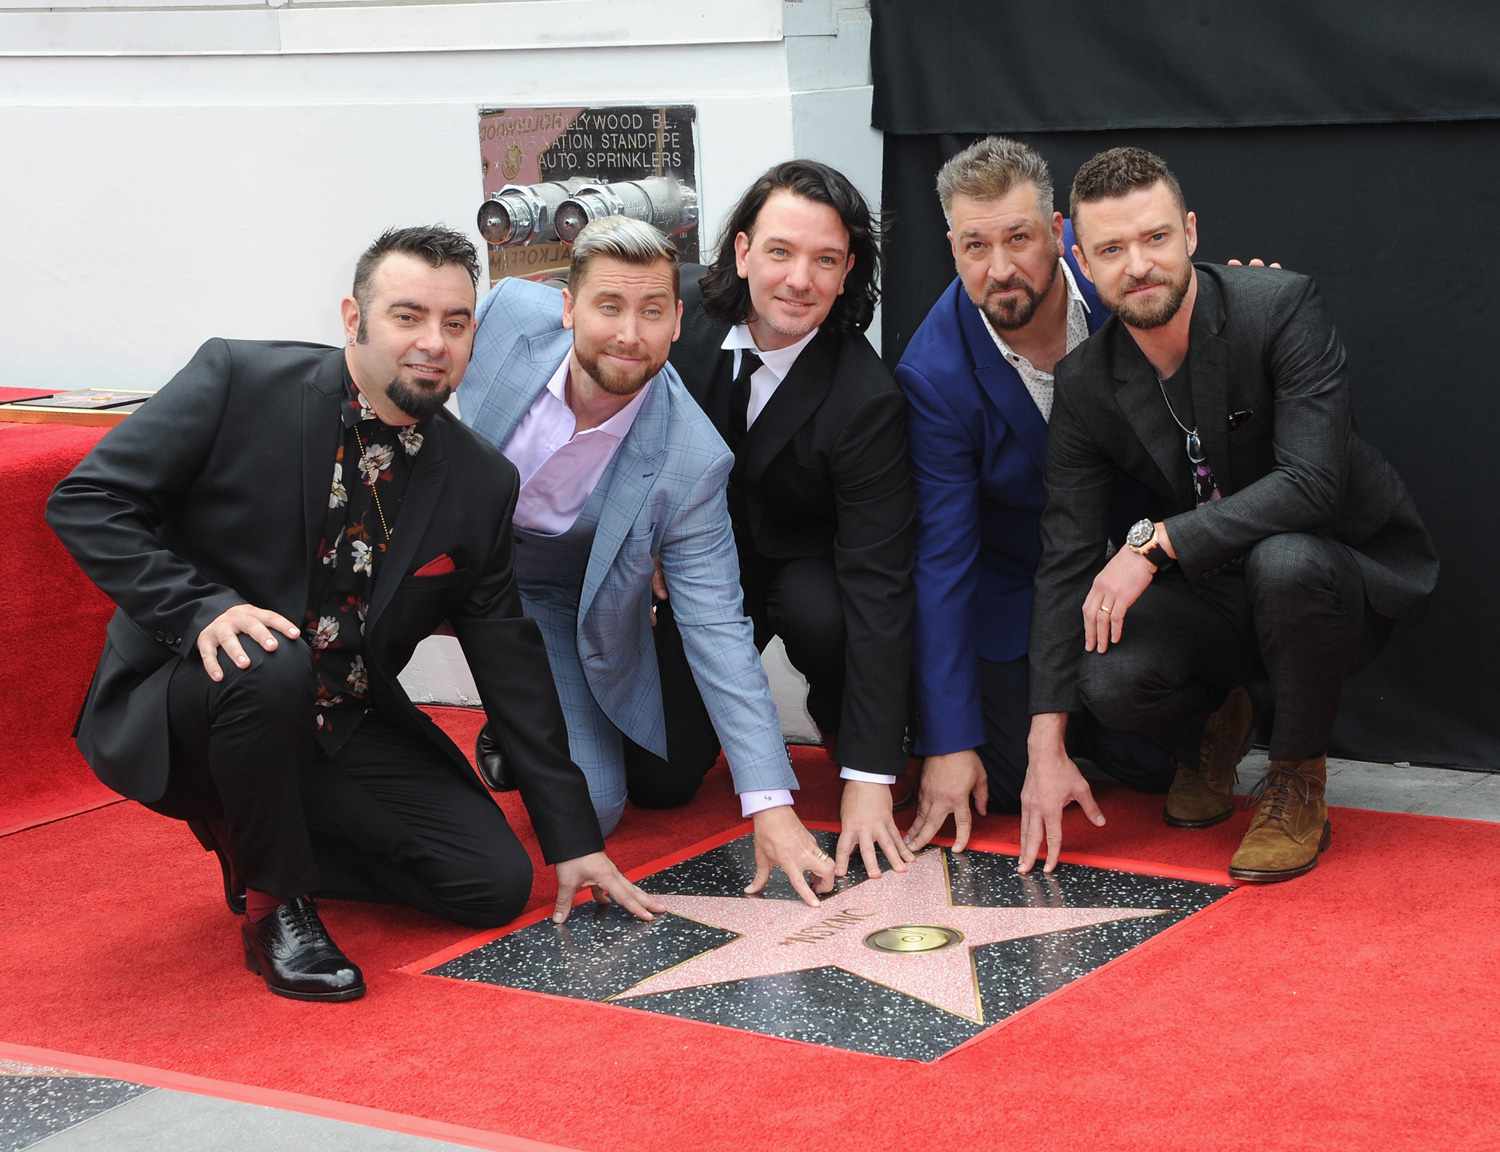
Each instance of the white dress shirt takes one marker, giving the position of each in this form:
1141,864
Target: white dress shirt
775,366
559,465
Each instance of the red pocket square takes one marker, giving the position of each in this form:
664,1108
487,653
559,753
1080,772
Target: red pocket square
437,566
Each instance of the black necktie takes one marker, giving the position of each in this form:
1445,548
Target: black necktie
739,398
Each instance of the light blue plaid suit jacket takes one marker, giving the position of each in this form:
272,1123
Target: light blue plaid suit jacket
667,498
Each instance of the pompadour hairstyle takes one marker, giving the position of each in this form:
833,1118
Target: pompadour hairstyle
622,238
434,243
1118,171
989,168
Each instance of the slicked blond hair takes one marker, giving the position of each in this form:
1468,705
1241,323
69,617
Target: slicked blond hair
621,238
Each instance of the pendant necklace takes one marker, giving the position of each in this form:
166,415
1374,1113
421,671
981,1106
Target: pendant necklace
375,492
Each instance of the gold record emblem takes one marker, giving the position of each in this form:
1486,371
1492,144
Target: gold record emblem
913,938
510,165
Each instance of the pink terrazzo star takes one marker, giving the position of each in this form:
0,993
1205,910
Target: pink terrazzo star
777,936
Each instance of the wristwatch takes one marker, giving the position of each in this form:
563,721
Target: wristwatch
1141,539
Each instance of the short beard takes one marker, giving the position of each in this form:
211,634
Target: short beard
1144,315
615,383
1005,317
418,403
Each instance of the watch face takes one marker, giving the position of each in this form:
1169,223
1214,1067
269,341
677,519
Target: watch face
1139,533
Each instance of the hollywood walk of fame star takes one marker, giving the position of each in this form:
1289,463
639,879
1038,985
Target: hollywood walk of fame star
777,936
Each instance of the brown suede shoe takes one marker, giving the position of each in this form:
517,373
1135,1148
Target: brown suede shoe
1202,794
1290,826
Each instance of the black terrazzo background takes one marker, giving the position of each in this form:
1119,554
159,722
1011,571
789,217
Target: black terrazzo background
35,1107
602,952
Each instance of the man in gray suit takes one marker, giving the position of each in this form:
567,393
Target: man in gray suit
1278,543
619,466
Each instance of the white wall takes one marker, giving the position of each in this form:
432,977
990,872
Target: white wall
155,200
180,170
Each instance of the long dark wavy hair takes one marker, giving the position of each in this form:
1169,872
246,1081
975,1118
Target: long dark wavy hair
726,296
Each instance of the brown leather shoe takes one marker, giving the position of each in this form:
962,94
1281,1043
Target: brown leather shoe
1202,794
1290,826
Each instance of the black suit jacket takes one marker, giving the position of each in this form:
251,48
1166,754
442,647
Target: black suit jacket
824,472
214,493
1263,350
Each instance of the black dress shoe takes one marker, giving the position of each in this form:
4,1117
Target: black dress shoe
291,950
215,838
491,764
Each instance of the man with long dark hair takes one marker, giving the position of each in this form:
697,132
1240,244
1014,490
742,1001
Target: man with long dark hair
773,349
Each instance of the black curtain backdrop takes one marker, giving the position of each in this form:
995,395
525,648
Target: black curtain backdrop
1398,222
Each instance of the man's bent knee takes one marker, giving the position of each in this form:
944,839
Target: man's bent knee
278,680
496,896
1289,565
670,792
1118,689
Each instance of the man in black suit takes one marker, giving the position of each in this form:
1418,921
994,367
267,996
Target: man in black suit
772,347
1279,542
321,502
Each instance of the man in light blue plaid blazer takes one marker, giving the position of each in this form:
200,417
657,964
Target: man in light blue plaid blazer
621,469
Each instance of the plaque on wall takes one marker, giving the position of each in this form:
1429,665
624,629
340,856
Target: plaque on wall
548,171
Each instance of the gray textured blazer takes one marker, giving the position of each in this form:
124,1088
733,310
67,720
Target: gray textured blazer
667,499
1263,349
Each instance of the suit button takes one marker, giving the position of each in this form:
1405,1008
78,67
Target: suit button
159,636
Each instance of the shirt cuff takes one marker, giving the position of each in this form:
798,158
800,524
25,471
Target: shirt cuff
753,802
865,777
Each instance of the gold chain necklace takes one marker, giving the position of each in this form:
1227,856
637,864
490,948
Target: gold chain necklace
370,483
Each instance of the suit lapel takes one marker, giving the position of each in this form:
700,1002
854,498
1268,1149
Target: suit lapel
1138,393
630,477
791,406
515,382
1002,383
429,471
1208,361
321,430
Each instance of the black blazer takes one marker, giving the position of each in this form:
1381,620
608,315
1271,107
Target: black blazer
824,472
1262,352
214,493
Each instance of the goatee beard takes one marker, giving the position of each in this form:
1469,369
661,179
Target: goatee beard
1007,318
418,403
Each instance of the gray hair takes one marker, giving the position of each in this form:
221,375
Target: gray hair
621,238
988,169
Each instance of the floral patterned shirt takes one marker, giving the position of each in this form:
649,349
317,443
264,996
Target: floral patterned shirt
363,504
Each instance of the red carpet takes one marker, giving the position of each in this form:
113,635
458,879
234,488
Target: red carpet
51,628
1353,1008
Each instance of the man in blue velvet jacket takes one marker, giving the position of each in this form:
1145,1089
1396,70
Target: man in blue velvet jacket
978,377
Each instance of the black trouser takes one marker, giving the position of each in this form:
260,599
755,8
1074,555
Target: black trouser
1294,611
388,818
1004,693
797,600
